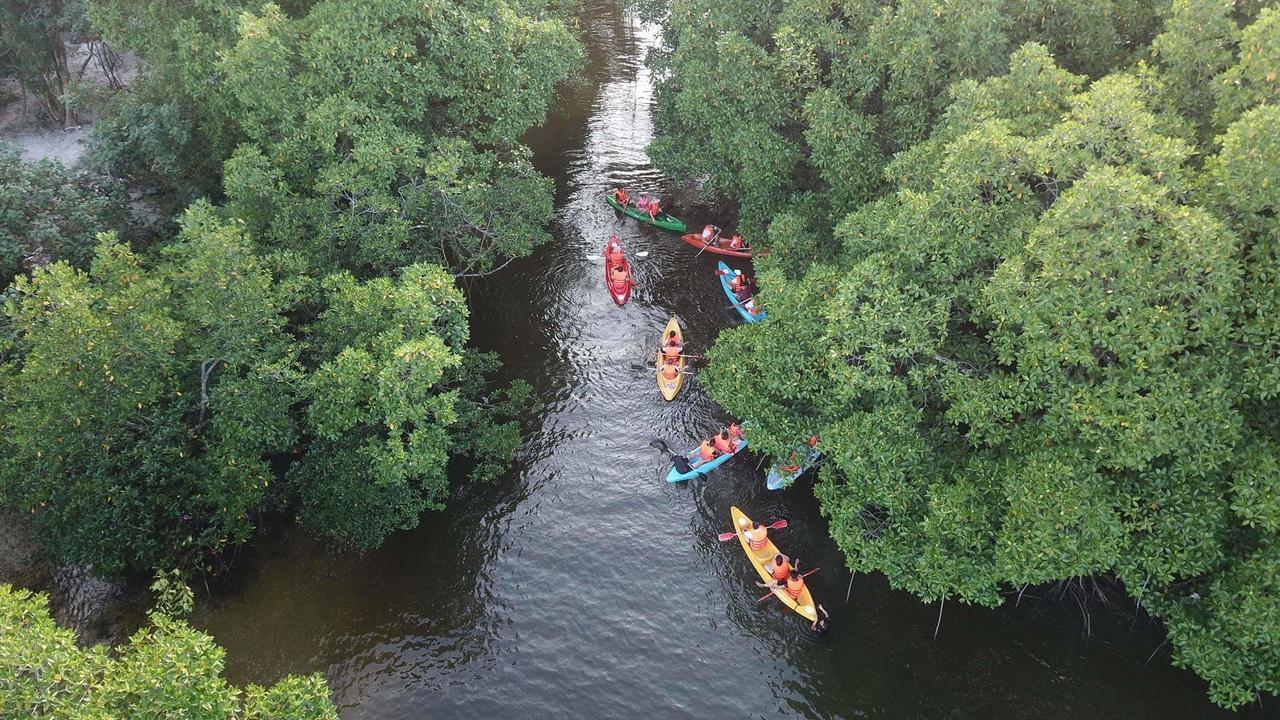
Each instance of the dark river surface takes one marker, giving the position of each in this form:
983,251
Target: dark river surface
583,585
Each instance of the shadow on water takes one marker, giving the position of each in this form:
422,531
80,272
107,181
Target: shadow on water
584,585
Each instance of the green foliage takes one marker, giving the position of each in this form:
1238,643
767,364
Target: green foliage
167,670
365,136
378,408
49,213
141,402
807,97
1045,345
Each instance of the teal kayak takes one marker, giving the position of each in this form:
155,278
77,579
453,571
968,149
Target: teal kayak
778,480
676,476
664,221
724,273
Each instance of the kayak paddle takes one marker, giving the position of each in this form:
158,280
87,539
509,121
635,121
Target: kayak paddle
680,462
770,593
727,536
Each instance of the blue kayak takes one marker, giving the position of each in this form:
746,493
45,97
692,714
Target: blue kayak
778,480
725,272
676,476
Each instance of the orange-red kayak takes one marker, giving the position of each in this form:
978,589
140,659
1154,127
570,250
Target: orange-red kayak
695,240
620,290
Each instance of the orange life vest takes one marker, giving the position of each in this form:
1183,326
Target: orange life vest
621,196
737,283
723,445
706,451
757,539
735,242
783,571
735,431
795,587
619,275
670,371
671,352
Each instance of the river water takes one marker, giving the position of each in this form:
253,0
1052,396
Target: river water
583,585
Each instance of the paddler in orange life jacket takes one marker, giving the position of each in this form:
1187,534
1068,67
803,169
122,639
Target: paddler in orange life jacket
735,242
670,370
757,536
671,349
793,465
619,275
723,444
735,433
613,253
621,196
779,568
706,453
710,235
654,208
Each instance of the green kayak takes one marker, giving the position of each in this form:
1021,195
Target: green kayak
664,221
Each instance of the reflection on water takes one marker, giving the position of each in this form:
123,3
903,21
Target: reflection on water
583,584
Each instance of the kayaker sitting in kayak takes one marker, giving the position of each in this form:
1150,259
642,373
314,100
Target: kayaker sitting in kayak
710,235
671,353
794,585
735,243
673,340
757,537
654,208
779,568
705,453
621,196
735,433
723,444
670,369
618,276
613,251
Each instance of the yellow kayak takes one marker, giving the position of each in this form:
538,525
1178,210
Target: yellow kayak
804,605
669,388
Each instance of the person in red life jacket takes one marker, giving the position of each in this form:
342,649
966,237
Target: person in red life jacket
710,235
671,353
670,370
738,283
735,433
613,251
673,340
779,567
620,196
792,467
705,453
723,444
618,276
757,536
654,208
735,243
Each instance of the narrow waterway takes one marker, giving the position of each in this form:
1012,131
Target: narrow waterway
583,585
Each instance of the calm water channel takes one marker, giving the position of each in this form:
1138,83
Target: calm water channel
583,585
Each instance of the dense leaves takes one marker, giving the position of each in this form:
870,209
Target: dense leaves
167,669
366,136
1038,341
49,213
140,402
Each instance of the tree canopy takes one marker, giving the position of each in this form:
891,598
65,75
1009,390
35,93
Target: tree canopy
1038,339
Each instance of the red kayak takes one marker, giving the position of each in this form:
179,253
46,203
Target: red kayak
619,290
695,240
